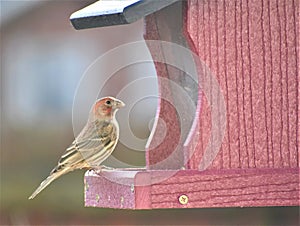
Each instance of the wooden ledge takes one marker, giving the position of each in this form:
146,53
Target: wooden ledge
144,189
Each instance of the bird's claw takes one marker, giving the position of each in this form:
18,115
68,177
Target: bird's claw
100,169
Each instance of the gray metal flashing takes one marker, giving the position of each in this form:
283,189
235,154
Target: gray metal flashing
110,12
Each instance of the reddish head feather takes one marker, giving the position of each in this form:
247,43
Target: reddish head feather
107,106
103,107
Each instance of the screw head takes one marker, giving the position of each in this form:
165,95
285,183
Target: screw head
183,199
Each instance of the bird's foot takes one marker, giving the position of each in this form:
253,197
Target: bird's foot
100,169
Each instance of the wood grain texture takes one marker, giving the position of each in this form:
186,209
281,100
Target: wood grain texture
166,131
143,190
166,144
252,47
111,189
228,188
212,188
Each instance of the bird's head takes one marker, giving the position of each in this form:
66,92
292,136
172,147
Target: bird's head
107,107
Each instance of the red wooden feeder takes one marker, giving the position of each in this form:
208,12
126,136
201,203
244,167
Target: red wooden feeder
250,49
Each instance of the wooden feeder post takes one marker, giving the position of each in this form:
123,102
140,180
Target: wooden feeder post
250,50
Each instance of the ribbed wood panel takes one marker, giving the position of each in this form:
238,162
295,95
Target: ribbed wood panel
227,188
251,46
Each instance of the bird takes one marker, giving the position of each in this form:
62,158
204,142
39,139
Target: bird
94,143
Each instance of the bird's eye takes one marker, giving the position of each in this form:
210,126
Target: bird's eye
108,102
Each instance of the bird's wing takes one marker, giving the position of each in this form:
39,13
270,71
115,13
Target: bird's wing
91,145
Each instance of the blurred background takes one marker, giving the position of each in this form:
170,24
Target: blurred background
46,66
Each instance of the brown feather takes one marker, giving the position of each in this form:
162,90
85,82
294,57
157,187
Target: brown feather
91,147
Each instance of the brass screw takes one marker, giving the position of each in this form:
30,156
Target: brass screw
183,199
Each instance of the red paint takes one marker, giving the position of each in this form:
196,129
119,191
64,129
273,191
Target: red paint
211,188
252,48
158,151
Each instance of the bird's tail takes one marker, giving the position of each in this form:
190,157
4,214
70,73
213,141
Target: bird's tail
54,175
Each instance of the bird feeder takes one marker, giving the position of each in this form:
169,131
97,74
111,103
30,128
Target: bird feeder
240,145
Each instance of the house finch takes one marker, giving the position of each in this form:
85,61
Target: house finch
93,145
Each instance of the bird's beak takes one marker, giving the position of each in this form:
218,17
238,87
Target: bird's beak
120,104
